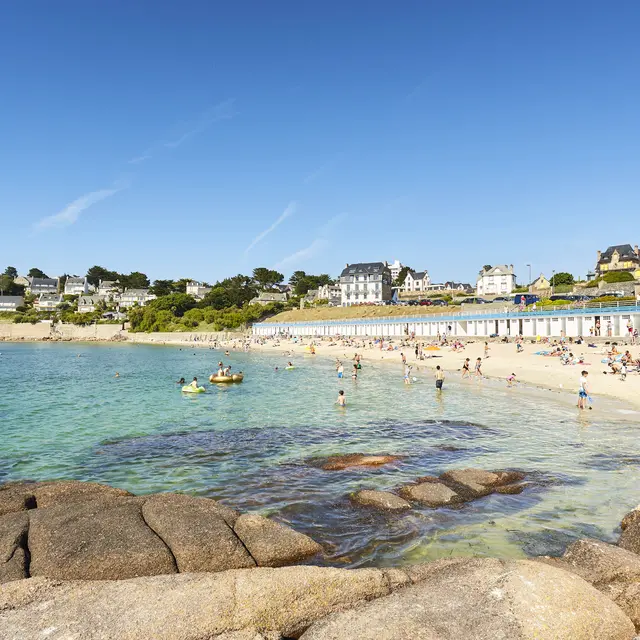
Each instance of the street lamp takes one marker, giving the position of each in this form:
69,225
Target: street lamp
553,280
529,277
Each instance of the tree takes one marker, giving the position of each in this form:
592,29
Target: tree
402,275
177,303
162,288
486,267
37,273
12,272
266,278
135,280
96,273
180,286
9,288
296,276
562,278
216,298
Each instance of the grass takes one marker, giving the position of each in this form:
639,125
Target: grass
347,313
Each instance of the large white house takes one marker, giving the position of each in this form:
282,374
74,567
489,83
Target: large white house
496,281
88,304
197,289
416,281
76,287
130,297
109,288
43,285
48,301
365,282
395,267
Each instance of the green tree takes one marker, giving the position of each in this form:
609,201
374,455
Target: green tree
12,272
180,286
402,275
135,280
162,288
562,277
6,285
97,273
265,278
37,273
486,267
296,276
177,303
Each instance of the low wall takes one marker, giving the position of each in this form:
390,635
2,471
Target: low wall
176,337
38,331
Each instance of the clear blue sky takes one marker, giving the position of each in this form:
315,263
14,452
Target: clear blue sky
201,139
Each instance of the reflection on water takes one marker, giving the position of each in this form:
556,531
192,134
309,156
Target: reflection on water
253,446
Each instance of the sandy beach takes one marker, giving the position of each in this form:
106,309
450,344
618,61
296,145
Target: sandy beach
544,372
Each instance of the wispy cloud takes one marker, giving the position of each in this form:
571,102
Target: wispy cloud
290,210
320,243
222,111
72,211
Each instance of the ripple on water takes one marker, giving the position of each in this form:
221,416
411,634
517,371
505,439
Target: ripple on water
250,446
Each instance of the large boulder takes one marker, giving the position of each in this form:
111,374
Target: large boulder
21,496
380,500
271,602
484,599
196,532
630,536
272,544
96,540
431,494
13,546
471,483
610,569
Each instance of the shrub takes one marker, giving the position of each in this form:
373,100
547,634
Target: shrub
618,276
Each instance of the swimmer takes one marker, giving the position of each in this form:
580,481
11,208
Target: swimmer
226,353
117,375
181,381
289,364
342,400
276,368
354,374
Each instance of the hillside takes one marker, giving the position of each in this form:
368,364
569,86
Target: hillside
346,313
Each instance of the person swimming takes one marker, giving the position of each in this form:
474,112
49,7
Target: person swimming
117,375
181,381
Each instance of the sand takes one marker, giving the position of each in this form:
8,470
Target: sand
530,369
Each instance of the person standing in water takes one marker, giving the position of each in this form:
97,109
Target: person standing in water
340,370
439,378
479,368
466,368
583,391
342,399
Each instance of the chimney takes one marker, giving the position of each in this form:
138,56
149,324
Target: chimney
599,255
636,251
346,266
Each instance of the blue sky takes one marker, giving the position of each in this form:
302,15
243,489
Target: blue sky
201,139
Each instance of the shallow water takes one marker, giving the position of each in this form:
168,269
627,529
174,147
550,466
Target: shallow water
63,414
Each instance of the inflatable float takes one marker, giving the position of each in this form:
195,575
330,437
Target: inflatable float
236,377
289,368
190,389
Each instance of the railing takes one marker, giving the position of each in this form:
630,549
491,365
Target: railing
576,308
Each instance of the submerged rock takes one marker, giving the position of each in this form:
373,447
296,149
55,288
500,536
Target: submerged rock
338,463
484,599
380,500
476,483
431,494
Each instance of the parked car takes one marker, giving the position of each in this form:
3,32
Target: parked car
502,299
474,301
525,298
425,303
438,302
412,303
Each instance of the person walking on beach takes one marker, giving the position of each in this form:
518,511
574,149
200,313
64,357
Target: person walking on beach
479,368
486,350
583,391
439,378
511,379
466,366
404,358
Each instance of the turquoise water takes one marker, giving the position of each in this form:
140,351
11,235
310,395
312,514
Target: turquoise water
255,446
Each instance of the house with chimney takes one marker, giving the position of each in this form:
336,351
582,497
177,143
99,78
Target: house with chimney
416,281
496,281
365,282
620,257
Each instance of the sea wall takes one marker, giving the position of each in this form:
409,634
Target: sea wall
179,337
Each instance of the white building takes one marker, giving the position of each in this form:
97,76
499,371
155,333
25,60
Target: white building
330,292
365,282
416,281
88,304
130,297
395,267
457,286
498,280
48,301
76,287
197,289
109,288
10,303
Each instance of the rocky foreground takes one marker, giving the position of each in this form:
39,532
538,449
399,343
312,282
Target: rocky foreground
86,561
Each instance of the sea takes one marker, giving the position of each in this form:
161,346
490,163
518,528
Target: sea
258,446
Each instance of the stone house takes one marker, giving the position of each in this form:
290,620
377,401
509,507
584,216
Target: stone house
498,280
365,282
267,297
540,284
109,288
620,257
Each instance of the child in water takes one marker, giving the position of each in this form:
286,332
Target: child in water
511,379
342,400
194,383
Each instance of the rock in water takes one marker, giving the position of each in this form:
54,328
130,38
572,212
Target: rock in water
272,544
431,494
197,534
484,599
471,483
339,463
380,500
